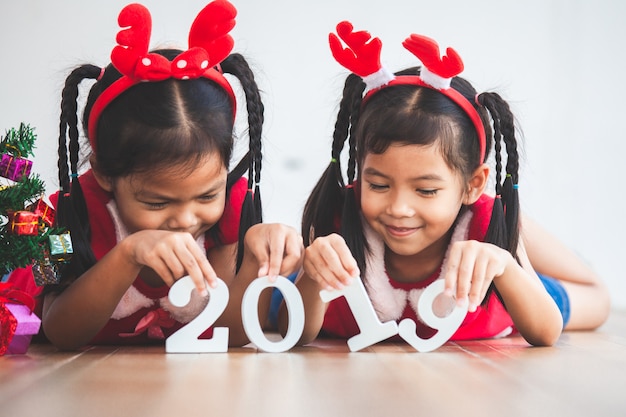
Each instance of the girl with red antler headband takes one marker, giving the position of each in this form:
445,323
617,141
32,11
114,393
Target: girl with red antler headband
414,210
160,201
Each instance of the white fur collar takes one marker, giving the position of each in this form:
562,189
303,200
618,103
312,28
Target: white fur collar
390,302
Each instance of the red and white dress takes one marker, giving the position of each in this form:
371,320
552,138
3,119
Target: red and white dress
144,314
393,300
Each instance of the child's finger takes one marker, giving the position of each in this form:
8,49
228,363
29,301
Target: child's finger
325,268
348,262
479,277
313,272
292,256
339,261
198,268
451,276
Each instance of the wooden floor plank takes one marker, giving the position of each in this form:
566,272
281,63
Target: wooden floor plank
584,374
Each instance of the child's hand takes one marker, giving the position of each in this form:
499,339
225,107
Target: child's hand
328,261
277,248
172,255
471,267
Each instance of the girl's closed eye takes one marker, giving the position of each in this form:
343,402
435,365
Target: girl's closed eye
377,187
155,205
208,197
427,192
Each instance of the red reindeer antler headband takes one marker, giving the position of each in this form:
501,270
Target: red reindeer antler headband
362,57
209,44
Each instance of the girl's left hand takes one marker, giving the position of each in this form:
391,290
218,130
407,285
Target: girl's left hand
277,248
471,268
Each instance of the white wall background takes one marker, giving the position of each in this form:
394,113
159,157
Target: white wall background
558,62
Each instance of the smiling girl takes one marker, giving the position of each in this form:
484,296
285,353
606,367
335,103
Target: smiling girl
415,209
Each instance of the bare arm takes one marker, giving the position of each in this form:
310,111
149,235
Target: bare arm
473,266
72,318
269,250
327,264
589,297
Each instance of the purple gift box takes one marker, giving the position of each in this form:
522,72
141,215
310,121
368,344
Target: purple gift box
27,326
14,168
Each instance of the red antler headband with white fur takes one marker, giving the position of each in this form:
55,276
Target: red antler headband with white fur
362,57
209,44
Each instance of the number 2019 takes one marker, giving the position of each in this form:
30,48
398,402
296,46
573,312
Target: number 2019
372,331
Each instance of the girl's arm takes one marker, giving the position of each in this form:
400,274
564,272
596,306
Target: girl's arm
269,250
472,266
72,318
327,264
589,298
534,312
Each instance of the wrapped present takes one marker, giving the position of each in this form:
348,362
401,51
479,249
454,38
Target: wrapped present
45,272
14,167
61,249
18,323
44,211
27,325
23,223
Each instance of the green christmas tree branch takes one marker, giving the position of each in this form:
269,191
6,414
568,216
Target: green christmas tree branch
20,142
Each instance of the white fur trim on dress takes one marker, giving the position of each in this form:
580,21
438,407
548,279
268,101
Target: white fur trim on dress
190,311
133,300
390,302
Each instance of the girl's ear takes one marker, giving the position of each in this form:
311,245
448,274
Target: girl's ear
103,181
476,184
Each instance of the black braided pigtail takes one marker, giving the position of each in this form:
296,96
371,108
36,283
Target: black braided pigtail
71,212
321,212
351,224
510,196
252,211
505,214
497,232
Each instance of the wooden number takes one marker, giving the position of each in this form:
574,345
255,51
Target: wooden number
249,309
445,326
185,339
372,330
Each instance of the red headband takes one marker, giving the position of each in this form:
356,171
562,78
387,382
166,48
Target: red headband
209,44
362,57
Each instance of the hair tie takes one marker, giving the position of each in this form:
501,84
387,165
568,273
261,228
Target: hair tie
476,100
101,74
333,160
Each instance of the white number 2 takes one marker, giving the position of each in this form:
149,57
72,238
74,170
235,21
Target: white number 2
185,340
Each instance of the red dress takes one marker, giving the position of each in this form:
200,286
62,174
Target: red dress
393,300
144,314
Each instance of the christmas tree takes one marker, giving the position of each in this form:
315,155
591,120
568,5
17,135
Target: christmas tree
25,218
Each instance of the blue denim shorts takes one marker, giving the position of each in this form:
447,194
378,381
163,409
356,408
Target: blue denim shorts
558,293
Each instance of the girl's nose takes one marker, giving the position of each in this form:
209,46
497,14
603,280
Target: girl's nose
183,220
400,206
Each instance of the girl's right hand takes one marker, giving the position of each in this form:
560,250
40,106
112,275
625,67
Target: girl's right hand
330,263
172,255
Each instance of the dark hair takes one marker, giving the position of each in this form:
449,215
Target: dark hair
154,125
411,114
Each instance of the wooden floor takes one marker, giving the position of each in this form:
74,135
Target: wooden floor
583,375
